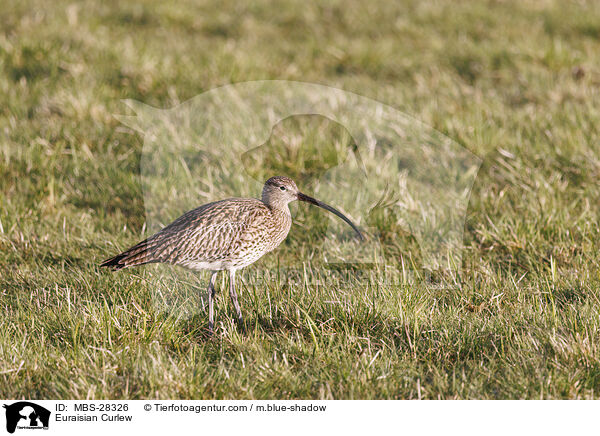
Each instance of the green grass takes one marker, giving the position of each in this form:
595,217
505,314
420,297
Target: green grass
516,83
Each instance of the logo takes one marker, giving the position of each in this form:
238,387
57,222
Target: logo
26,415
404,183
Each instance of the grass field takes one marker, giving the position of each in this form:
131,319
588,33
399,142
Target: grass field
516,83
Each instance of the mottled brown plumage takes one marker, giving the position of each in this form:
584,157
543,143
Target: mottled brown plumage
224,235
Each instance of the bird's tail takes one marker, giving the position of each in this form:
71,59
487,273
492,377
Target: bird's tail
139,254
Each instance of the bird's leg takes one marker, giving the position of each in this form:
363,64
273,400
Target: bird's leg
211,297
234,297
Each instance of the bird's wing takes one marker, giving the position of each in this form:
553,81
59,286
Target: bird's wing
209,241
205,234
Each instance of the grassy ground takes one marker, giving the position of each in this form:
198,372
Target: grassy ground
515,82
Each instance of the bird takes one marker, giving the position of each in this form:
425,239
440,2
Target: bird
225,235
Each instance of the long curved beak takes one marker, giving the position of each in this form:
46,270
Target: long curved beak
304,197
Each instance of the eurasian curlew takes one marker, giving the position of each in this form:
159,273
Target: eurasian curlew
225,235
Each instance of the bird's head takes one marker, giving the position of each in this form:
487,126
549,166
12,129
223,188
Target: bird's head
279,191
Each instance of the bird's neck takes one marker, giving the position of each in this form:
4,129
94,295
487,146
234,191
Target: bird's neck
278,206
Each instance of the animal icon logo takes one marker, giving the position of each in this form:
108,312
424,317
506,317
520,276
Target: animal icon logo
26,415
405,185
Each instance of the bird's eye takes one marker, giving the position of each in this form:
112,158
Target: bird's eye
282,188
